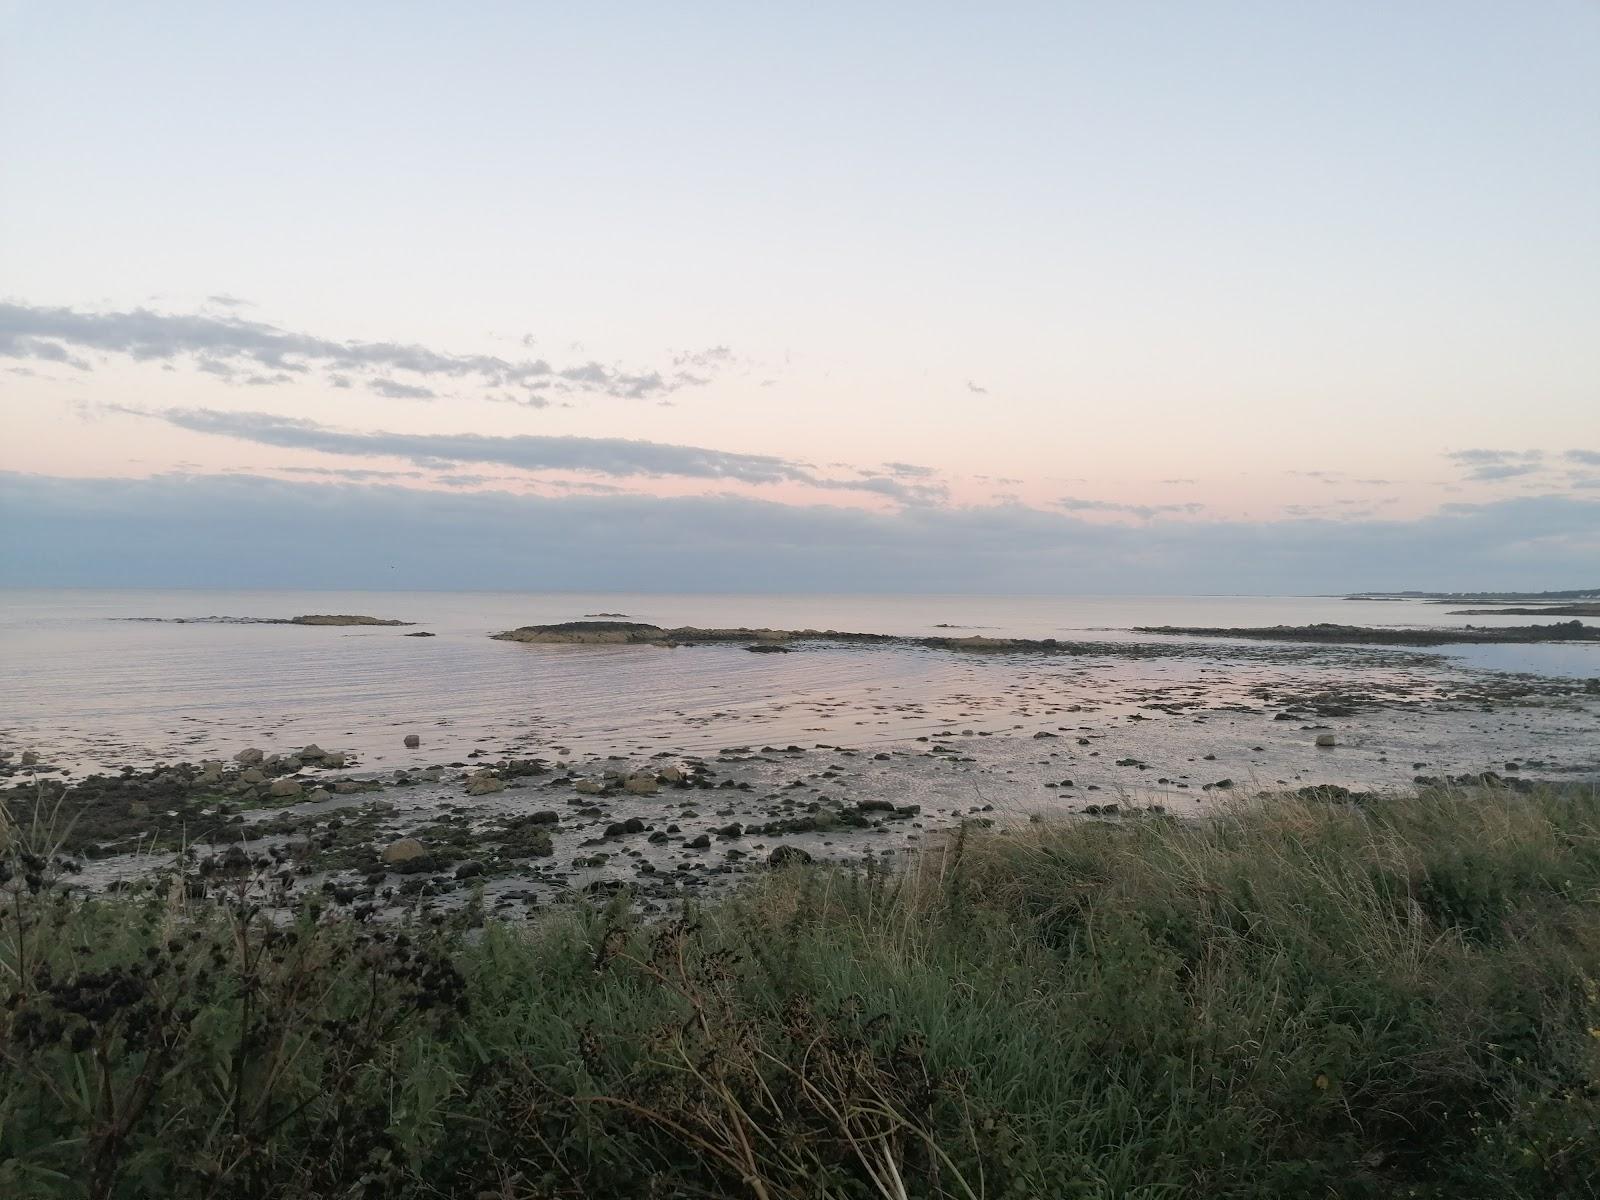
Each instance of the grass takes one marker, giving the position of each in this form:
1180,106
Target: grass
1312,996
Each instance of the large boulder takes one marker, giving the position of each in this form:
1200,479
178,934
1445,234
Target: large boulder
284,789
623,828
412,741
640,785
403,851
483,785
787,856
249,758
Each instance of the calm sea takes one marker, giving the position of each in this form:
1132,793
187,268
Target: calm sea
83,682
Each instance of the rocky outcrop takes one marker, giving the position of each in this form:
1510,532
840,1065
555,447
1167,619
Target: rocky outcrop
608,633
757,641
1357,635
618,633
342,619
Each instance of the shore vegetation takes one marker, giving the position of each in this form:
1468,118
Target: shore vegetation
1322,994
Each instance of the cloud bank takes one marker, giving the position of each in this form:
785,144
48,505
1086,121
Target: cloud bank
194,531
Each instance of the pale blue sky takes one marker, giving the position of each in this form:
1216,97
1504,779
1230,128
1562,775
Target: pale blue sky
1137,263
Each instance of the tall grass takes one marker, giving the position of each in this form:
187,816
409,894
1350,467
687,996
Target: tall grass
1301,997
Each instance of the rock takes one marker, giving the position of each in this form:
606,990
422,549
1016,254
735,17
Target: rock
311,753
209,777
252,775
340,619
673,775
589,787
874,806
640,785
419,633
335,760
703,842
483,785
470,869
249,758
283,788
403,851
731,830
30,758
787,856
1325,740
412,741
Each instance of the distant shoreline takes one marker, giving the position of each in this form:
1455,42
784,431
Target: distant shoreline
313,619
1482,597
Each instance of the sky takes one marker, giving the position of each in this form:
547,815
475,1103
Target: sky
1069,297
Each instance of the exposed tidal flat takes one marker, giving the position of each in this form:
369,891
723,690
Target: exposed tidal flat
574,757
